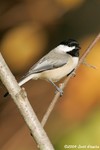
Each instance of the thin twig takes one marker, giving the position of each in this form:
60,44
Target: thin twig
20,98
56,97
89,65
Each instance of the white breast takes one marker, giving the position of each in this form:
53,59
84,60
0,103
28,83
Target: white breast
58,73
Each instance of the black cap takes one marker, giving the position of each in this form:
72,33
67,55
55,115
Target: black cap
70,43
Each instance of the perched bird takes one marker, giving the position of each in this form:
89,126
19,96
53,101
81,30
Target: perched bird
55,65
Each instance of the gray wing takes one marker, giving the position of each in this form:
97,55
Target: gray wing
48,62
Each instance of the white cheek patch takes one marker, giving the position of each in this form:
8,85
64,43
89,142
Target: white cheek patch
65,48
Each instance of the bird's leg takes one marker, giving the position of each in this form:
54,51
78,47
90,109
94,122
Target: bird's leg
57,88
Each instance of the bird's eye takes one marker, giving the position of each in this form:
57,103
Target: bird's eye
71,44
74,44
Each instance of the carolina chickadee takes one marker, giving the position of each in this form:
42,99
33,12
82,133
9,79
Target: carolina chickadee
55,65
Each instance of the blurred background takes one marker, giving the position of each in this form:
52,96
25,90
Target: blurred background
28,30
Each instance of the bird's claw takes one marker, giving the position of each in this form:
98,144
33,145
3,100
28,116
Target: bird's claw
60,91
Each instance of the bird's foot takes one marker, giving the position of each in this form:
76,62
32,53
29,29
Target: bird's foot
59,90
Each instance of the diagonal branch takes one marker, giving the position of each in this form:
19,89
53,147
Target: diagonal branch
20,98
62,86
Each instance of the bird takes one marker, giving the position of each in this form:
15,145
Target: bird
55,65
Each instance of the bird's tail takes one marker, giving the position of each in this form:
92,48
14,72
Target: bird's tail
23,81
